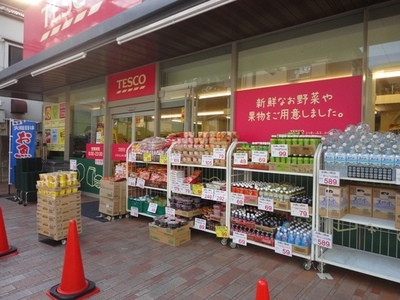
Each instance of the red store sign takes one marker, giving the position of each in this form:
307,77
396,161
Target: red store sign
94,151
118,151
312,107
133,83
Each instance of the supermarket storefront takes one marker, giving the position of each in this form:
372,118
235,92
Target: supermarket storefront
253,84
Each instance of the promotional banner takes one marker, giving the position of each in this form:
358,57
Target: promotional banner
54,126
22,143
53,21
310,107
94,151
118,151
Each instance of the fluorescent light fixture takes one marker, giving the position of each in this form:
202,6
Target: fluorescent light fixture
214,95
58,64
183,15
8,83
383,74
210,113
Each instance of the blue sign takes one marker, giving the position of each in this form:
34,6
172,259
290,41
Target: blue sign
23,143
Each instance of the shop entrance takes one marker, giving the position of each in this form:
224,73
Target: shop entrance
132,127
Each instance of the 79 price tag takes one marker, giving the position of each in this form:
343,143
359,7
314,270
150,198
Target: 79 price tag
176,158
329,178
207,160
322,239
175,188
283,248
185,188
279,150
219,153
240,158
299,210
240,238
199,223
258,156
237,198
266,204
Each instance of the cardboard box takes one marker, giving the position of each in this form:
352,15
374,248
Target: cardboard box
301,250
110,207
173,237
384,203
281,205
301,168
112,189
333,201
397,215
302,150
64,200
360,200
283,167
188,214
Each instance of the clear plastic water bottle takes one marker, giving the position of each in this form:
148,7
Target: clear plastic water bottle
329,159
351,162
340,162
363,157
388,159
375,158
396,152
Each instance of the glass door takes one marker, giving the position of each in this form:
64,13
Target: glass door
125,130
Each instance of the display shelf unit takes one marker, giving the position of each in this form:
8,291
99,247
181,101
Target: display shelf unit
138,187
209,172
306,180
364,244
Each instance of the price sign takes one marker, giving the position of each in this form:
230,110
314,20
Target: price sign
134,211
207,193
185,188
152,207
322,239
279,150
199,223
132,181
176,158
398,176
329,178
163,159
132,157
240,238
140,182
299,210
258,156
222,231
146,157
220,196
266,204
237,198
170,212
176,187
207,160
283,248
72,164
240,159
219,153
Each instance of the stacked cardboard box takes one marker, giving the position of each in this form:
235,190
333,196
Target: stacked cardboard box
384,203
112,197
333,201
54,214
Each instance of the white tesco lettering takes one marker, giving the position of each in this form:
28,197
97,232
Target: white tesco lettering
131,81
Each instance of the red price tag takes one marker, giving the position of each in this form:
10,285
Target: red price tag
322,239
299,210
152,208
175,188
237,199
176,158
220,196
258,156
134,211
207,193
266,204
329,178
199,223
283,248
140,182
219,153
240,238
279,150
240,158
207,160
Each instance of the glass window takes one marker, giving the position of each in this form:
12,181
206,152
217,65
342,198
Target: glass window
285,59
196,92
384,65
87,117
14,54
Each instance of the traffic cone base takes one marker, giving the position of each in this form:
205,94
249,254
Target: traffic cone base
10,252
89,291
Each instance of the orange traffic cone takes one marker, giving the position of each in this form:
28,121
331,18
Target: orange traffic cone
73,283
5,249
262,292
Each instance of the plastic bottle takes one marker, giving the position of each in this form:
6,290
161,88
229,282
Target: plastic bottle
329,159
297,239
363,157
396,152
305,241
388,160
351,161
340,162
375,158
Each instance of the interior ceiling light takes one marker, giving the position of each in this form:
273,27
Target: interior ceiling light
8,83
215,95
183,15
58,64
384,74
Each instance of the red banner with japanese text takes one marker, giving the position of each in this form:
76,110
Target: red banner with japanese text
94,151
310,107
118,151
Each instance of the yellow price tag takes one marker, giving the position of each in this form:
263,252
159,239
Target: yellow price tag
222,231
147,157
163,159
